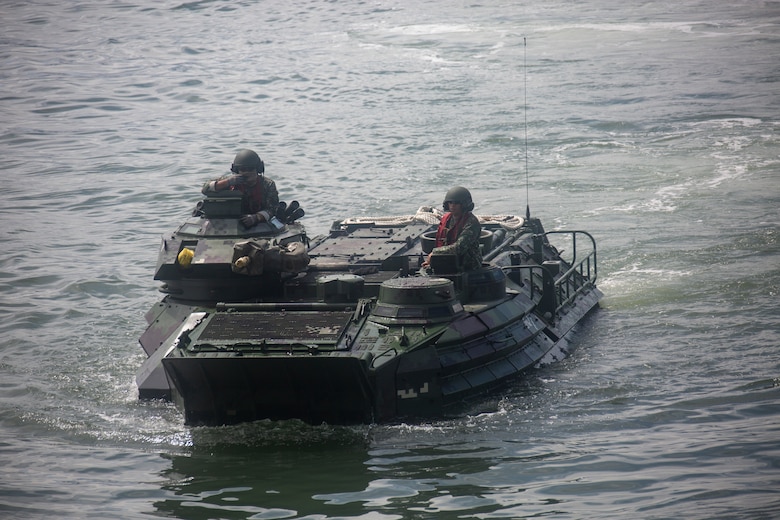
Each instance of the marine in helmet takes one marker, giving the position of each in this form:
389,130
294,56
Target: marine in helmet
261,197
459,231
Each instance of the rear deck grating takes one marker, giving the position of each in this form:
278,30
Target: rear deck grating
238,326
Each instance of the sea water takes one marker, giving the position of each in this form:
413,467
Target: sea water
653,125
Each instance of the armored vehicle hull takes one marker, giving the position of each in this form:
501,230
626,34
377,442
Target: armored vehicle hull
346,328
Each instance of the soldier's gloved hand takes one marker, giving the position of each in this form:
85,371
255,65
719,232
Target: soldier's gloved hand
236,180
250,220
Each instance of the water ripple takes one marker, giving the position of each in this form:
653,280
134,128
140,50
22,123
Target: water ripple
113,116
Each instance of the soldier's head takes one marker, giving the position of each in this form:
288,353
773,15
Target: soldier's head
249,165
458,196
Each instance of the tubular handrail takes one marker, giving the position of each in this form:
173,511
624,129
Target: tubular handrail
580,276
574,262
530,268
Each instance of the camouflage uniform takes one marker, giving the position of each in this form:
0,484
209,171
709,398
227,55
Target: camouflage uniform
263,196
466,246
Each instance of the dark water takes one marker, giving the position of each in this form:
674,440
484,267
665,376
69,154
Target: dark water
655,127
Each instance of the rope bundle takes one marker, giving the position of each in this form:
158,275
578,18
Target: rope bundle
429,215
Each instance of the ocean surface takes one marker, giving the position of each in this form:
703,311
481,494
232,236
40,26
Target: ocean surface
654,125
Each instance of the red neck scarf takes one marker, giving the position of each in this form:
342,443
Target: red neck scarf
446,235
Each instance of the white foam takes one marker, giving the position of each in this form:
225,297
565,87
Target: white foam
429,29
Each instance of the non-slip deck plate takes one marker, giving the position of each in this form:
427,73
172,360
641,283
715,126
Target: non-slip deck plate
255,326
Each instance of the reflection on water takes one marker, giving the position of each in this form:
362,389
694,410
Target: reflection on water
277,469
344,475
621,448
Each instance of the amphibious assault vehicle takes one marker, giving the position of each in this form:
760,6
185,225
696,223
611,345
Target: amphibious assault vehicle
346,328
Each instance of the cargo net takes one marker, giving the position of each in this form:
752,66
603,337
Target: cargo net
429,215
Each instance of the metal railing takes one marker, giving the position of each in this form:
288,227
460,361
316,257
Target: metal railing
581,275
558,290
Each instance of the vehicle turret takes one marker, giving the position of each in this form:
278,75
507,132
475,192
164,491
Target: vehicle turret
213,257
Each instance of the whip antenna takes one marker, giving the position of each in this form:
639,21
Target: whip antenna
525,126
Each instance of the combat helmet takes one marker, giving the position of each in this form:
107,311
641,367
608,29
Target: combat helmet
247,160
460,195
